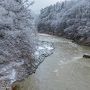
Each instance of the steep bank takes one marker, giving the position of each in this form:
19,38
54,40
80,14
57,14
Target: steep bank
70,19
20,50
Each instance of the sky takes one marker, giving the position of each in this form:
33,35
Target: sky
36,7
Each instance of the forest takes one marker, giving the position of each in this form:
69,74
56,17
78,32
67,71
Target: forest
70,19
61,32
20,52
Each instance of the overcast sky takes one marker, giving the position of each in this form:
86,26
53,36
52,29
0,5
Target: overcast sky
42,3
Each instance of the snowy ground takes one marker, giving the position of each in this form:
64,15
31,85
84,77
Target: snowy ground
19,70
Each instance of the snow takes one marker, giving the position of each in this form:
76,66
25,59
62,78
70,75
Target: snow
43,50
15,71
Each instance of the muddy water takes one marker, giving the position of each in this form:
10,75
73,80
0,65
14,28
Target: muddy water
63,70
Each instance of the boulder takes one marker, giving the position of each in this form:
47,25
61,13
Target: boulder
86,56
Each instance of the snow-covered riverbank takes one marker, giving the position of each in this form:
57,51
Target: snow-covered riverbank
19,70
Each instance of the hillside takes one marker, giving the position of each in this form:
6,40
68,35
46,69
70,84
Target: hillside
70,19
20,51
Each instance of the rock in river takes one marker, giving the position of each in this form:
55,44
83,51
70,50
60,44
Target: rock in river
86,56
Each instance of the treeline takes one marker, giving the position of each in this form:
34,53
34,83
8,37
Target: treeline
70,19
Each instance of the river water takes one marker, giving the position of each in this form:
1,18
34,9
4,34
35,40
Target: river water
66,69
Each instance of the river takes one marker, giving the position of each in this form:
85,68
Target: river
65,69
